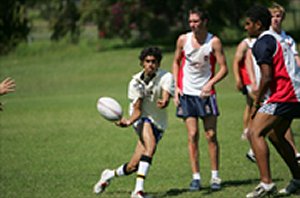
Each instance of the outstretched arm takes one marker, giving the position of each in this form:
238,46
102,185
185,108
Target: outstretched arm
137,112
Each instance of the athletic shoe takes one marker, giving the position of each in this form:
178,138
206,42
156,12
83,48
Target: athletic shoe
195,185
139,194
215,183
259,192
293,187
102,183
250,155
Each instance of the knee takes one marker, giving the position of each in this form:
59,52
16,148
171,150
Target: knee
193,136
211,137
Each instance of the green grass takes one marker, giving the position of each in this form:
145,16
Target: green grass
53,143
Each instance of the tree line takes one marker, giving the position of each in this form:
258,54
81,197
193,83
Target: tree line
131,20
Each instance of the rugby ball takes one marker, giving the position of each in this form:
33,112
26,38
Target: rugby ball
109,108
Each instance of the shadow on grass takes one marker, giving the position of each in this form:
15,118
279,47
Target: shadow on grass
206,191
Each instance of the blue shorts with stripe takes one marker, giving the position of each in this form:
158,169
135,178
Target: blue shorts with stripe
194,106
139,125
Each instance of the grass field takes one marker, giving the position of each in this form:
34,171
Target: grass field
53,143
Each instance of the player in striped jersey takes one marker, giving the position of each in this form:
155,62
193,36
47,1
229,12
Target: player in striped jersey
274,117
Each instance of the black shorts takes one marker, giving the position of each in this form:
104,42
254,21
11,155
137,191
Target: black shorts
139,124
194,106
287,110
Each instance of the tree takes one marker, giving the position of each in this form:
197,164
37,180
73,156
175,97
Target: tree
14,24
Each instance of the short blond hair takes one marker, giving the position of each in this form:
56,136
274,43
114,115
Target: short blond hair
275,7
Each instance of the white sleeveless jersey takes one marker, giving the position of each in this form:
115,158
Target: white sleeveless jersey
256,68
197,66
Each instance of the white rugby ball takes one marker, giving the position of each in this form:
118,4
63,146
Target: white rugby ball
109,108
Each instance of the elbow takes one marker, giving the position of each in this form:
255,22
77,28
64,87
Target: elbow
225,72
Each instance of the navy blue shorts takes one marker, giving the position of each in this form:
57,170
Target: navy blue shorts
194,106
289,110
138,127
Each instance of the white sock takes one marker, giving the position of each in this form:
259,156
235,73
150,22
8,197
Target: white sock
196,176
298,155
214,173
119,171
141,175
250,152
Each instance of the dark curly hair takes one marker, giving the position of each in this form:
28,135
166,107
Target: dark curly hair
151,51
260,13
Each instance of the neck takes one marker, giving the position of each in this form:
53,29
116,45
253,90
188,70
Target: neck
201,36
147,78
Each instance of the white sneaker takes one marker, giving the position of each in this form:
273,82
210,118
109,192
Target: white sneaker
215,183
102,183
260,191
292,188
139,194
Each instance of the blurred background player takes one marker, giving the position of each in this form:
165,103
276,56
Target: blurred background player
243,78
195,97
278,15
149,93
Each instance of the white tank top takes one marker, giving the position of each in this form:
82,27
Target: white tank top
197,66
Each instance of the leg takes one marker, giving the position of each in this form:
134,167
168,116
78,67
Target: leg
260,126
149,146
246,116
284,148
193,140
290,138
211,136
125,169
210,127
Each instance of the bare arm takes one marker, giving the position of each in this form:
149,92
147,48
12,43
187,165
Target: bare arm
164,101
221,60
176,65
238,57
250,71
137,112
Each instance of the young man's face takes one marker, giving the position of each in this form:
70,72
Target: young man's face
277,18
195,22
252,27
150,65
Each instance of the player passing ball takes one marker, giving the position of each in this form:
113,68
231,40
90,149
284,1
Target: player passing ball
149,93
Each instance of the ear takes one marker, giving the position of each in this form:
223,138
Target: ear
258,25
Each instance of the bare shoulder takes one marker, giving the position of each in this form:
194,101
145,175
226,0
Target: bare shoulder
181,39
216,43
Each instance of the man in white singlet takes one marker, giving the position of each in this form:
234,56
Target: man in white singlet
196,55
